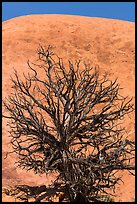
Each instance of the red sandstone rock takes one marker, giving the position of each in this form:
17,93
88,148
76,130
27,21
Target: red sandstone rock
106,42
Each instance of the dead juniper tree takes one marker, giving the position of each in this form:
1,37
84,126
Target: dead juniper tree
69,120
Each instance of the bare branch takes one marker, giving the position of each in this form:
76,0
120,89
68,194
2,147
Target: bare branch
70,121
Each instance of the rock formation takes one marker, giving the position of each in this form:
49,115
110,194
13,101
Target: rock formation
105,42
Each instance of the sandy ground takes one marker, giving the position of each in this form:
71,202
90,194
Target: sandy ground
104,42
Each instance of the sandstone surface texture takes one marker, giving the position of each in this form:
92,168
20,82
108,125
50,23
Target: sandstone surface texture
105,42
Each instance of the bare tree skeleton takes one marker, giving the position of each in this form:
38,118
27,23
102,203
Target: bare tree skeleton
54,118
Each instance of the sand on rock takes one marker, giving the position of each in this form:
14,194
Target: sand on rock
105,42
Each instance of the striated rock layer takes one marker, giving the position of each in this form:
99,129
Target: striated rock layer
105,42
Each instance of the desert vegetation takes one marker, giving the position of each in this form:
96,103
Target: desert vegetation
69,120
